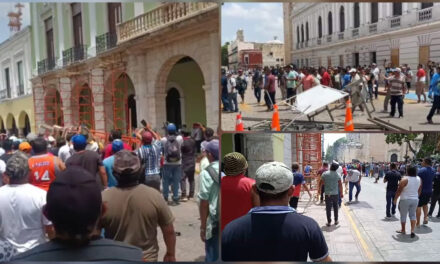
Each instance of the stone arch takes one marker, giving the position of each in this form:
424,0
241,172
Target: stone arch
53,107
394,157
11,124
24,123
82,104
2,125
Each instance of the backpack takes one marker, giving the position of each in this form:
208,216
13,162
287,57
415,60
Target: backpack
172,150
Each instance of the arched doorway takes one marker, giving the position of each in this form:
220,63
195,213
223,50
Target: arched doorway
124,104
86,111
53,108
131,115
2,126
393,157
173,107
24,124
11,125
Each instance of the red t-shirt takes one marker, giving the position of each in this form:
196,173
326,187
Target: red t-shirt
236,199
108,149
421,73
325,79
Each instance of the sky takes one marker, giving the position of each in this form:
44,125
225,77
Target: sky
329,139
259,21
5,8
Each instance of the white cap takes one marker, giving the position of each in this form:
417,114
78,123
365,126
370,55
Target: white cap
13,138
51,139
352,70
398,70
273,177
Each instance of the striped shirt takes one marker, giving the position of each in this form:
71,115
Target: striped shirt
150,156
397,85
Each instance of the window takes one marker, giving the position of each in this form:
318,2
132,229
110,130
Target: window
7,83
271,53
50,50
341,60
356,16
356,59
319,27
20,89
330,23
302,33
277,60
307,31
77,24
374,12
373,57
342,19
297,34
423,55
246,59
427,5
114,16
397,9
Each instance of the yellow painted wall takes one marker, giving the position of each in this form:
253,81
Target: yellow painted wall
278,147
15,107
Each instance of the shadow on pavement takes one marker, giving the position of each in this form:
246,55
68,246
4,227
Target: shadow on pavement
405,238
329,229
392,219
360,204
423,230
434,219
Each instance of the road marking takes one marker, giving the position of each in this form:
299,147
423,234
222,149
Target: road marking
358,234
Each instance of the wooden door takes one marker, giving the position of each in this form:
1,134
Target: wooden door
423,55
395,58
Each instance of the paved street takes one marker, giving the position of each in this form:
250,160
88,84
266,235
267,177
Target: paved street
189,246
365,235
414,115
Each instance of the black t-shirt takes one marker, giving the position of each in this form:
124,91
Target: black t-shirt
96,250
89,160
393,177
188,154
436,185
273,233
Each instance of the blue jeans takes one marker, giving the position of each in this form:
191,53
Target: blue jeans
225,102
233,105
390,204
211,247
257,93
171,176
350,189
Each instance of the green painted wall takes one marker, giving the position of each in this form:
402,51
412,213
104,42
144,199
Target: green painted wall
190,79
278,147
100,14
33,51
127,11
227,144
149,6
86,23
67,22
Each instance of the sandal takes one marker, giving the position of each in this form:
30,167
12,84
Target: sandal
425,222
401,232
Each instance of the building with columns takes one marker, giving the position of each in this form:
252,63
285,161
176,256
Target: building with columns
352,33
111,65
16,104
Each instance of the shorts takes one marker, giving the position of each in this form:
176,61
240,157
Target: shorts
424,199
291,92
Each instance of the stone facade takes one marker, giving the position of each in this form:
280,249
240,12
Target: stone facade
411,36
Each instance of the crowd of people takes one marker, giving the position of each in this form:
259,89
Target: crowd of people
265,220
361,83
69,198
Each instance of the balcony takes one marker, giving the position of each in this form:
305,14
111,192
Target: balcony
372,28
74,54
355,32
329,38
301,45
341,35
395,22
45,65
5,94
162,16
318,41
20,89
424,14
105,42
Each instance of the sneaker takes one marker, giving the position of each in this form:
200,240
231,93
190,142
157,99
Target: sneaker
328,224
336,222
430,121
356,199
184,199
174,203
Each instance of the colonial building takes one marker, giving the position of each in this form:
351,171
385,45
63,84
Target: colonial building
16,104
350,34
111,65
272,52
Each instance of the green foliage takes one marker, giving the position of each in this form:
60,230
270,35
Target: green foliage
224,54
332,150
400,138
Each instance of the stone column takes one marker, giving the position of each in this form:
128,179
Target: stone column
212,85
38,93
66,96
97,87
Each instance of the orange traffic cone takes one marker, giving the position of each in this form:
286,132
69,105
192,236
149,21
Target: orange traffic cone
275,119
349,126
239,126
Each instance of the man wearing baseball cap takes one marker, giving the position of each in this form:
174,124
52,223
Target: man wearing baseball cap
108,163
209,203
397,91
274,231
135,211
74,205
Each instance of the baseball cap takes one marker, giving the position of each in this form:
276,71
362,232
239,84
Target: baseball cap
117,145
31,136
24,146
126,162
171,128
203,145
79,141
273,177
212,148
352,70
398,70
234,163
74,201
147,137
51,139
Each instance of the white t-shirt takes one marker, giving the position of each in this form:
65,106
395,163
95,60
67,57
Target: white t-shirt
231,85
21,213
376,73
354,177
65,152
180,141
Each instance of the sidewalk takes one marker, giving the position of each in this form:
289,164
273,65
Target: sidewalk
344,243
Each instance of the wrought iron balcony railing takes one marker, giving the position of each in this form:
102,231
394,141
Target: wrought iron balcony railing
341,35
424,14
105,42
74,54
45,65
5,93
355,32
20,89
373,28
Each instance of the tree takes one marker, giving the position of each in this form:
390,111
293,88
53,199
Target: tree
224,55
401,138
430,143
332,151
